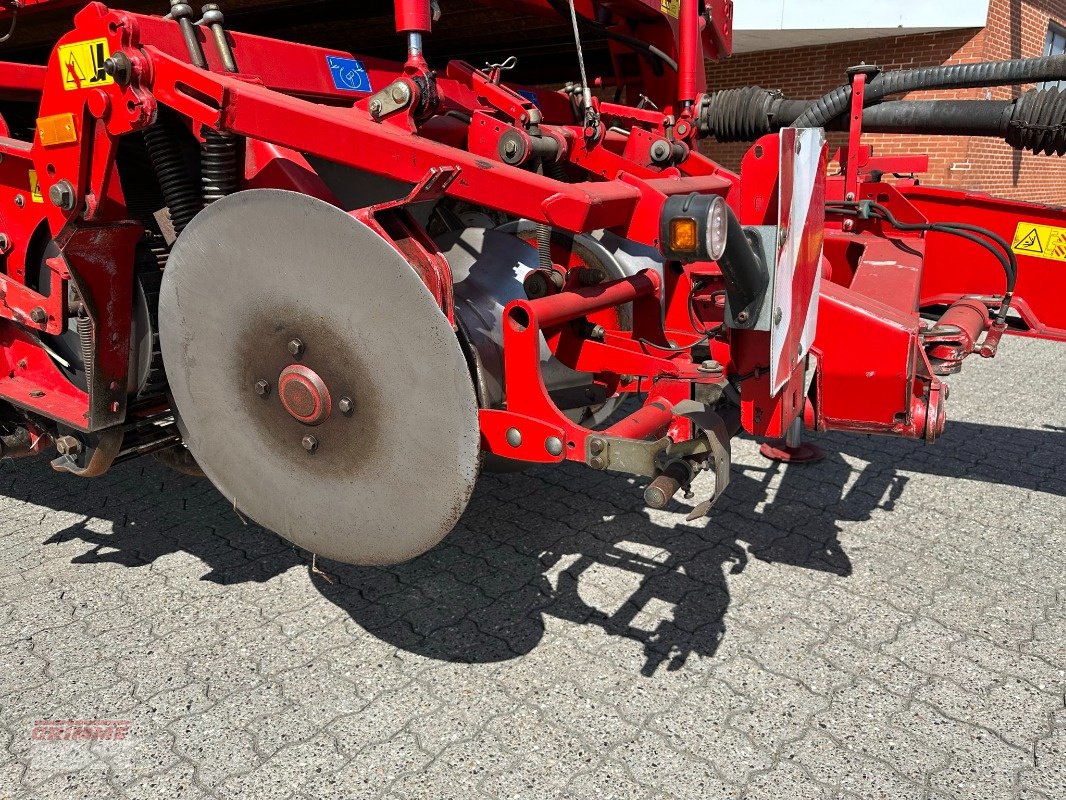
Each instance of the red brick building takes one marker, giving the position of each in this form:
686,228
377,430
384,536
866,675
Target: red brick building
1012,29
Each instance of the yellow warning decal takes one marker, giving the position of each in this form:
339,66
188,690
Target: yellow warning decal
35,188
1040,241
82,64
671,7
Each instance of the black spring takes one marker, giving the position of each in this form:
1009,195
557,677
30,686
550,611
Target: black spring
178,187
218,165
1039,122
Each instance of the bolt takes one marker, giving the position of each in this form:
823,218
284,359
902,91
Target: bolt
849,196
262,388
778,316
849,224
743,317
626,378
400,93
591,277
5,243
62,195
296,348
598,463
68,446
310,444
375,107
554,446
514,437
120,68
597,333
345,406
596,446
20,201
39,315
710,366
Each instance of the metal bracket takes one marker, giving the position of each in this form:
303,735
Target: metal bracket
394,97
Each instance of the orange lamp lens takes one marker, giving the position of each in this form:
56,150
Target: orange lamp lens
684,233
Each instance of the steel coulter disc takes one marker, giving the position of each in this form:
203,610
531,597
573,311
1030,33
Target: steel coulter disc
315,380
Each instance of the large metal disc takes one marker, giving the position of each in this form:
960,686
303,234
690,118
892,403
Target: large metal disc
276,312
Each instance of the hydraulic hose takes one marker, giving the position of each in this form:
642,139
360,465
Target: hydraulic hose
1036,121
959,76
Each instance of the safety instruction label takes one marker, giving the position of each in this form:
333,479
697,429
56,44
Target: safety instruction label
1040,241
82,64
671,7
35,188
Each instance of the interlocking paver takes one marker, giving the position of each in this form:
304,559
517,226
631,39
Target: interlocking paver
888,624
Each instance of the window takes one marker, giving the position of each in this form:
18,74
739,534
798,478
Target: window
1055,45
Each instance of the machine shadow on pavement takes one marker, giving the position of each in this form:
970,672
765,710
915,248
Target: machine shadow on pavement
545,543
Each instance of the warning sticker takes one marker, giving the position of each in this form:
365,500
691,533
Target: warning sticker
1040,241
82,64
35,188
671,7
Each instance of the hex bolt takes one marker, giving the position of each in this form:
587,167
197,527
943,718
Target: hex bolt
596,446
375,107
262,388
598,463
514,437
5,243
711,366
345,406
554,446
310,444
39,315
597,333
743,317
68,446
62,195
296,348
849,224
20,201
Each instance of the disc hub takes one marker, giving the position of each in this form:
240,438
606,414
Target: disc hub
304,395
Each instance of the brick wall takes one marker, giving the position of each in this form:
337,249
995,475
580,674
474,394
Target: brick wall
1017,28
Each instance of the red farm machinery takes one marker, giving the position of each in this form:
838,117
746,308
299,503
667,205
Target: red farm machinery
341,285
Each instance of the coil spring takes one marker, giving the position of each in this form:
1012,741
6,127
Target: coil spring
88,352
179,190
218,165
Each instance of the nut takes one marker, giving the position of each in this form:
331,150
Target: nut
68,446
596,446
296,347
598,463
39,315
262,388
710,366
310,444
345,405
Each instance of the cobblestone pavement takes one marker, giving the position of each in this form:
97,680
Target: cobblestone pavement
889,624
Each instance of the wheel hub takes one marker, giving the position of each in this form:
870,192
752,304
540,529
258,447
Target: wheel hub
304,395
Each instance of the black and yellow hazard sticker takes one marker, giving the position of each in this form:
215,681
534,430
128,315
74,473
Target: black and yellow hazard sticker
82,64
671,7
1040,241
35,188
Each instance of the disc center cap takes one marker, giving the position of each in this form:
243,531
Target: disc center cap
304,395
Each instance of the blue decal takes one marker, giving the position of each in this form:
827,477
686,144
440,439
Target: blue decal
349,75
530,96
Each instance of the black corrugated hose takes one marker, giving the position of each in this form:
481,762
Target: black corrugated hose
959,76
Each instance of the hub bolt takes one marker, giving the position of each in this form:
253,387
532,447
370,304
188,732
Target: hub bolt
345,405
62,196
262,388
68,446
310,444
296,347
